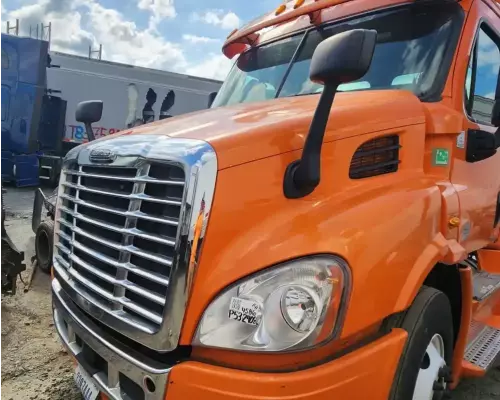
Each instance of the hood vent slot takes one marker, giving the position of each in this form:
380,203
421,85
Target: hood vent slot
376,157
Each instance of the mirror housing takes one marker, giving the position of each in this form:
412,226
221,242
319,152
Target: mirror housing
211,98
481,145
88,112
342,58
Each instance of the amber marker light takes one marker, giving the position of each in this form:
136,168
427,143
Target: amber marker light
280,9
298,3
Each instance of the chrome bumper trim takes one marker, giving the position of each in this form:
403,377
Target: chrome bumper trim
71,322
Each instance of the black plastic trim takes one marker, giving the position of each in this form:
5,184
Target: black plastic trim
493,34
376,168
497,214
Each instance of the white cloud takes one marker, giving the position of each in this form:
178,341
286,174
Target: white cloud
67,33
216,66
198,39
160,9
123,42
76,24
227,20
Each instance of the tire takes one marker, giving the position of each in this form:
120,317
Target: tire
429,315
44,242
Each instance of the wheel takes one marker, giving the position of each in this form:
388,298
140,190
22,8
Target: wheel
44,241
423,371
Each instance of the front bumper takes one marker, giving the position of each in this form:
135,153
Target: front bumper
366,373
120,372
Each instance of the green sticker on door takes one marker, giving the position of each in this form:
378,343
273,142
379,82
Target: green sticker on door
440,157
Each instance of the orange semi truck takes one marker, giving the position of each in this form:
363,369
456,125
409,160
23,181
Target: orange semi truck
329,229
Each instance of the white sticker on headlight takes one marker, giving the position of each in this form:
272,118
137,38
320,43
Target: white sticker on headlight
246,311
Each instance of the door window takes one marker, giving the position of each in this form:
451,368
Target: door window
482,77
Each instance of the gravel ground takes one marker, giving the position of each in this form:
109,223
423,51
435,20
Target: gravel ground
35,364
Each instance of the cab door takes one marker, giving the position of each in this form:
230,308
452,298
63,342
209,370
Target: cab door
477,178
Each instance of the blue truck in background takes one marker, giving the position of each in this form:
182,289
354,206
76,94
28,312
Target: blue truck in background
39,127
32,118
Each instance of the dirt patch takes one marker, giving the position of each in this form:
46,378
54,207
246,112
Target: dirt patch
34,363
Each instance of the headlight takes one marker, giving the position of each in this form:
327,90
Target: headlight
292,306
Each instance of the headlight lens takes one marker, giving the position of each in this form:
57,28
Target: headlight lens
289,307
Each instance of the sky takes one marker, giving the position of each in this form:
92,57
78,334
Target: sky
183,36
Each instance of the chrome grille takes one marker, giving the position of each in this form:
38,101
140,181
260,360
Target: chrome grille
118,235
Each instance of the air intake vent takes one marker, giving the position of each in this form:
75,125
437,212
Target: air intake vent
376,157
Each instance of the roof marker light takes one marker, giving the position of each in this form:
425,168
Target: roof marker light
280,9
298,3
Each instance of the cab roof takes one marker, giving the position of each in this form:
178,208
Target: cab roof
296,15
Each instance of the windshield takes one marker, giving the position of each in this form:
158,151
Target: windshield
414,48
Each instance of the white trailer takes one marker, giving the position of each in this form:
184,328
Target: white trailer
131,95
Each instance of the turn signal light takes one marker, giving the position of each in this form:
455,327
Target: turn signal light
298,3
280,9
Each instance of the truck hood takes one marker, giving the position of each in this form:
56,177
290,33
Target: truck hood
247,132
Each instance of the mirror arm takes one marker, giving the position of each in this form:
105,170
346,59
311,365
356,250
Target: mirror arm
90,131
302,176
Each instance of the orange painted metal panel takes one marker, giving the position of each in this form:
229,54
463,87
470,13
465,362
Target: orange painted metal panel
380,225
366,373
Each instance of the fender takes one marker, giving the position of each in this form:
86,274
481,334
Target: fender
439,250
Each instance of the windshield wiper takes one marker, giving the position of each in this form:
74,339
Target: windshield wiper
291,63
303,94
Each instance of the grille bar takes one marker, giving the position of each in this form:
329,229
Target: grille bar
123,196
140,179
118,237
125,231
118,247
109,296
75,287
128,266
127,214
154,185
124,283
377,156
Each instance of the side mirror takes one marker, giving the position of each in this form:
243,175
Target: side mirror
89,112
341,58
481,145
211,98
